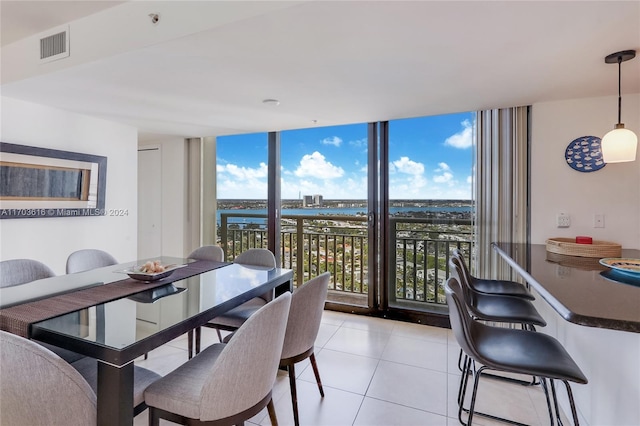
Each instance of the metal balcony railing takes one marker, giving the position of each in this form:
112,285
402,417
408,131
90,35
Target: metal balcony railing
420,251
311,245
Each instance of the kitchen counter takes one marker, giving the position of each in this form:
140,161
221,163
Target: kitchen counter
580,290
596,319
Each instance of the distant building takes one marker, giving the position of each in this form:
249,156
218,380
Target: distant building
312,200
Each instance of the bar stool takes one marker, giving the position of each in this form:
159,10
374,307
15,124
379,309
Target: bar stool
496,308
487,286
507,350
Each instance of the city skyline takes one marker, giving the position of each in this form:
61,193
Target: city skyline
430,158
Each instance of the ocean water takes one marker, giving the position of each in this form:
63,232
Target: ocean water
347,211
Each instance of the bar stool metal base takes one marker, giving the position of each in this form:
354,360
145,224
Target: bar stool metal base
470,370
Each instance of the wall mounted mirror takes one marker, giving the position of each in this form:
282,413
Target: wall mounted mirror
42,182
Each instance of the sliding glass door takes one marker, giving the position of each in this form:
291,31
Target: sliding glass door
379,205
324,225
429,207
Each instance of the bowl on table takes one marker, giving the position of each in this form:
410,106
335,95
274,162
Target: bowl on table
138,273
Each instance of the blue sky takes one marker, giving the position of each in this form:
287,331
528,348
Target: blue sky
430,158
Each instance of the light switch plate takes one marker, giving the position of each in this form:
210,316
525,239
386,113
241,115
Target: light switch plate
563,220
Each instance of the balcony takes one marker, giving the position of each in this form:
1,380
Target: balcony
313,244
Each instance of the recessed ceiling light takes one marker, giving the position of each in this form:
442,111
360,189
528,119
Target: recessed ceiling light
314,121
271,102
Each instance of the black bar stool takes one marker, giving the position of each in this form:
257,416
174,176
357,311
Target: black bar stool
507,350
496,308
502,287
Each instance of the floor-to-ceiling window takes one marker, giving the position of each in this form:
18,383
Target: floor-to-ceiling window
334,193
324,208
430,207
242,192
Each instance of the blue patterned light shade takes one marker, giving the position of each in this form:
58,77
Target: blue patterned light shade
619,145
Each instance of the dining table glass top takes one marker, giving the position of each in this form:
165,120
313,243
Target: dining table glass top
124,322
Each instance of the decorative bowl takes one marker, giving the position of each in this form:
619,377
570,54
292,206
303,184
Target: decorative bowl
135,273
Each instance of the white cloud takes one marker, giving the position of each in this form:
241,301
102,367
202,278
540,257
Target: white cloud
243,173
410,167
464,138
359,143
443,178
335,141
443,167
241,182
469,180
351,188
316,165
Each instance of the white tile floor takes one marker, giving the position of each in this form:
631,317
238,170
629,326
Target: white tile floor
377,372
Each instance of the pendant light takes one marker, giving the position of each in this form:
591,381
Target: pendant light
620,144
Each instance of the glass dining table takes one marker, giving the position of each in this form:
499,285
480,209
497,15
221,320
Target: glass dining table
119,331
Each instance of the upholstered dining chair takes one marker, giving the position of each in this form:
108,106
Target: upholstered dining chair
212,253
233,319
16,272
37,387
507,350
21,271
87,259
142,377
226,384
307,305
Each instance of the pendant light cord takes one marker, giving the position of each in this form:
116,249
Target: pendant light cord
619,90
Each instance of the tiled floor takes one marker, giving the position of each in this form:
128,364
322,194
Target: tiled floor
377,372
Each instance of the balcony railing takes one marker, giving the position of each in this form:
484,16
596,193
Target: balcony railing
420,250
311,245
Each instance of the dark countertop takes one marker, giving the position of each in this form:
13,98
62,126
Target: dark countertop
580,289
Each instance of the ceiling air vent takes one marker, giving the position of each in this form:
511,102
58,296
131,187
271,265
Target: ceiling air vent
54,45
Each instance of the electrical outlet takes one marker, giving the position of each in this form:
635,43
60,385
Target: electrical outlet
598,220
563,220
562,271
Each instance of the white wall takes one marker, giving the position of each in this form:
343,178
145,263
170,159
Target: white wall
608,358
613,190
51,240
174,194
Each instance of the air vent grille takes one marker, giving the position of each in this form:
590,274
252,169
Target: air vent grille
54,46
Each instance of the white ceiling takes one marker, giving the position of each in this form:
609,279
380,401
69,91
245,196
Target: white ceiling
207,71
20,19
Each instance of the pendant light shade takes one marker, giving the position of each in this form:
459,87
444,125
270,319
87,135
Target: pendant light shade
620,144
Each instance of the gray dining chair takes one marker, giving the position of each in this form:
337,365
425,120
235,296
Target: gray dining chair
233,319
37,387
209,252
307,305
21,271
87,259
16,272
142,377
226,383
212,253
